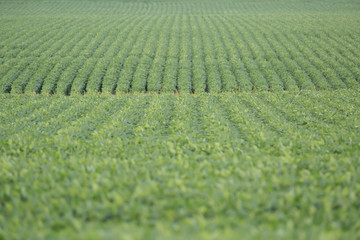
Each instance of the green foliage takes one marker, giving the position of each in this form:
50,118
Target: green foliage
116,47
184,130
283,164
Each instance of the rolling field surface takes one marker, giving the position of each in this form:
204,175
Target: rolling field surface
179,119
166,166
114,47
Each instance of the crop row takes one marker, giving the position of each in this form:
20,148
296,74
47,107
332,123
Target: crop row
178,53
85,8
156,158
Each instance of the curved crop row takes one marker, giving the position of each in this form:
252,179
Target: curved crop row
139,82
169,83
188,53
184,84
199,81
119,52
126,75
156,71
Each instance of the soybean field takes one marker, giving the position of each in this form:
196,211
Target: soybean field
164,119
115,47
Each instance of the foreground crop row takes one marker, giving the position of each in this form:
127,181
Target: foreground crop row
118,47
251,164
